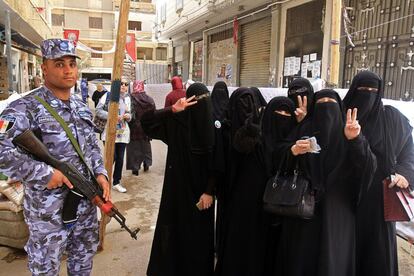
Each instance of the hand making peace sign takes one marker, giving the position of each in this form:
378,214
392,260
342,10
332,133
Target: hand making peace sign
352,127
183,103
301,110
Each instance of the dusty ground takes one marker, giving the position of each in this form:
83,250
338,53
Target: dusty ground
122,255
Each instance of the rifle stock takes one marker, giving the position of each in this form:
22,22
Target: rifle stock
87,187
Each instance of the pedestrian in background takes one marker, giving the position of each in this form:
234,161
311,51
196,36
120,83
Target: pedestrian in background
98,93
177,93
46,187
122,131
139,147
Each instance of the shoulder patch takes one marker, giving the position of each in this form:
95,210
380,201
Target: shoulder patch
6,123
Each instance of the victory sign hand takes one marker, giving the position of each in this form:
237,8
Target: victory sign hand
182,104
301,110
352,127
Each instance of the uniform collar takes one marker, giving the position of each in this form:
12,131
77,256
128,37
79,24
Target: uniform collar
56,102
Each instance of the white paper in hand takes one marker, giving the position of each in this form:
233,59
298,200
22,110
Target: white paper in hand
314,147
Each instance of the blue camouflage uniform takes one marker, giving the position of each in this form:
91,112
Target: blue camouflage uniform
49,238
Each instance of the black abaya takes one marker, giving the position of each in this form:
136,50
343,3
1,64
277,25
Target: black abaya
184,236
325,244
389,136
244,228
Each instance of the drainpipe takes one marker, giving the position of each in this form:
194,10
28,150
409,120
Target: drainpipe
8,52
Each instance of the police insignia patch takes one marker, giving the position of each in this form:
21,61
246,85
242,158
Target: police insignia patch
6,123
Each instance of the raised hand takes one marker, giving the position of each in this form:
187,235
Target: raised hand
183,103
301,110
352,127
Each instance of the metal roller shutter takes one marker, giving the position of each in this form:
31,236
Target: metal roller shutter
255,53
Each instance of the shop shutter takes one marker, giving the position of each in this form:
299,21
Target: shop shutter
255,53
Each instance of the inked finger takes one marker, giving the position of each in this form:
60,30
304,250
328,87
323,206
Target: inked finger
348,116
305,102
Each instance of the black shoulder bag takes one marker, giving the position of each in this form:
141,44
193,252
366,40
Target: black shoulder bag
289,195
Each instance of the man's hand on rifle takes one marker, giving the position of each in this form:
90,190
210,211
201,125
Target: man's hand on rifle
105,186
57,180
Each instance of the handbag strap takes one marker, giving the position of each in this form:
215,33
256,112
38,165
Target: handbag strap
65,128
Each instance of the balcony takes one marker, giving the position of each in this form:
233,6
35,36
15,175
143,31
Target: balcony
137,6
28,18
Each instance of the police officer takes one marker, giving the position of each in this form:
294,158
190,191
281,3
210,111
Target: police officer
46,187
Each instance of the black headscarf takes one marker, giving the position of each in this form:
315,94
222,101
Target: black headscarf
386,129
275,128
244,119
200,118
327,125
220,100
370,108
259,97
301,87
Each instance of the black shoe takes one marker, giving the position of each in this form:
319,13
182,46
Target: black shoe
135,172
146,167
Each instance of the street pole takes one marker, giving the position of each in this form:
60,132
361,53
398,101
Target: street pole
335,43
190,70
8,53
114,105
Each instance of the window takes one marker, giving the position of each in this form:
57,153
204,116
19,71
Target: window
134,25
96,55
179,4
58,19
95,22
161,53
144,52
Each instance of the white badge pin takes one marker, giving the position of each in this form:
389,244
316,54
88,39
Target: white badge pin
217,124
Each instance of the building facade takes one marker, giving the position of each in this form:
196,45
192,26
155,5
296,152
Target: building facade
30,23
150,54
268,43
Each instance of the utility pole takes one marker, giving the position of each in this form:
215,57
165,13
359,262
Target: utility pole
8,53
335,42
114,104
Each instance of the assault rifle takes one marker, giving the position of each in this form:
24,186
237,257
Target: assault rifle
86,187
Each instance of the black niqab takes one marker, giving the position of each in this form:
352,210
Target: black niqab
301,87
244,119
276,127
259,97
220,100
200,118
328,128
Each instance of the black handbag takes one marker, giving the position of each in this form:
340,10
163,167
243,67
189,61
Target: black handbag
289,195
100,123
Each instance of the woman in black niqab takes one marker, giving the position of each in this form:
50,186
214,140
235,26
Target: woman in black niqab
276,126
183,241
324,245
389,135
220,101
301,87
243,244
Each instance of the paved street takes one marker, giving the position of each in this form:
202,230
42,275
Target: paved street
122,255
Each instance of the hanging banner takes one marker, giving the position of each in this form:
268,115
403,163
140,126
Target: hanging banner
130,46
71,35
235,30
